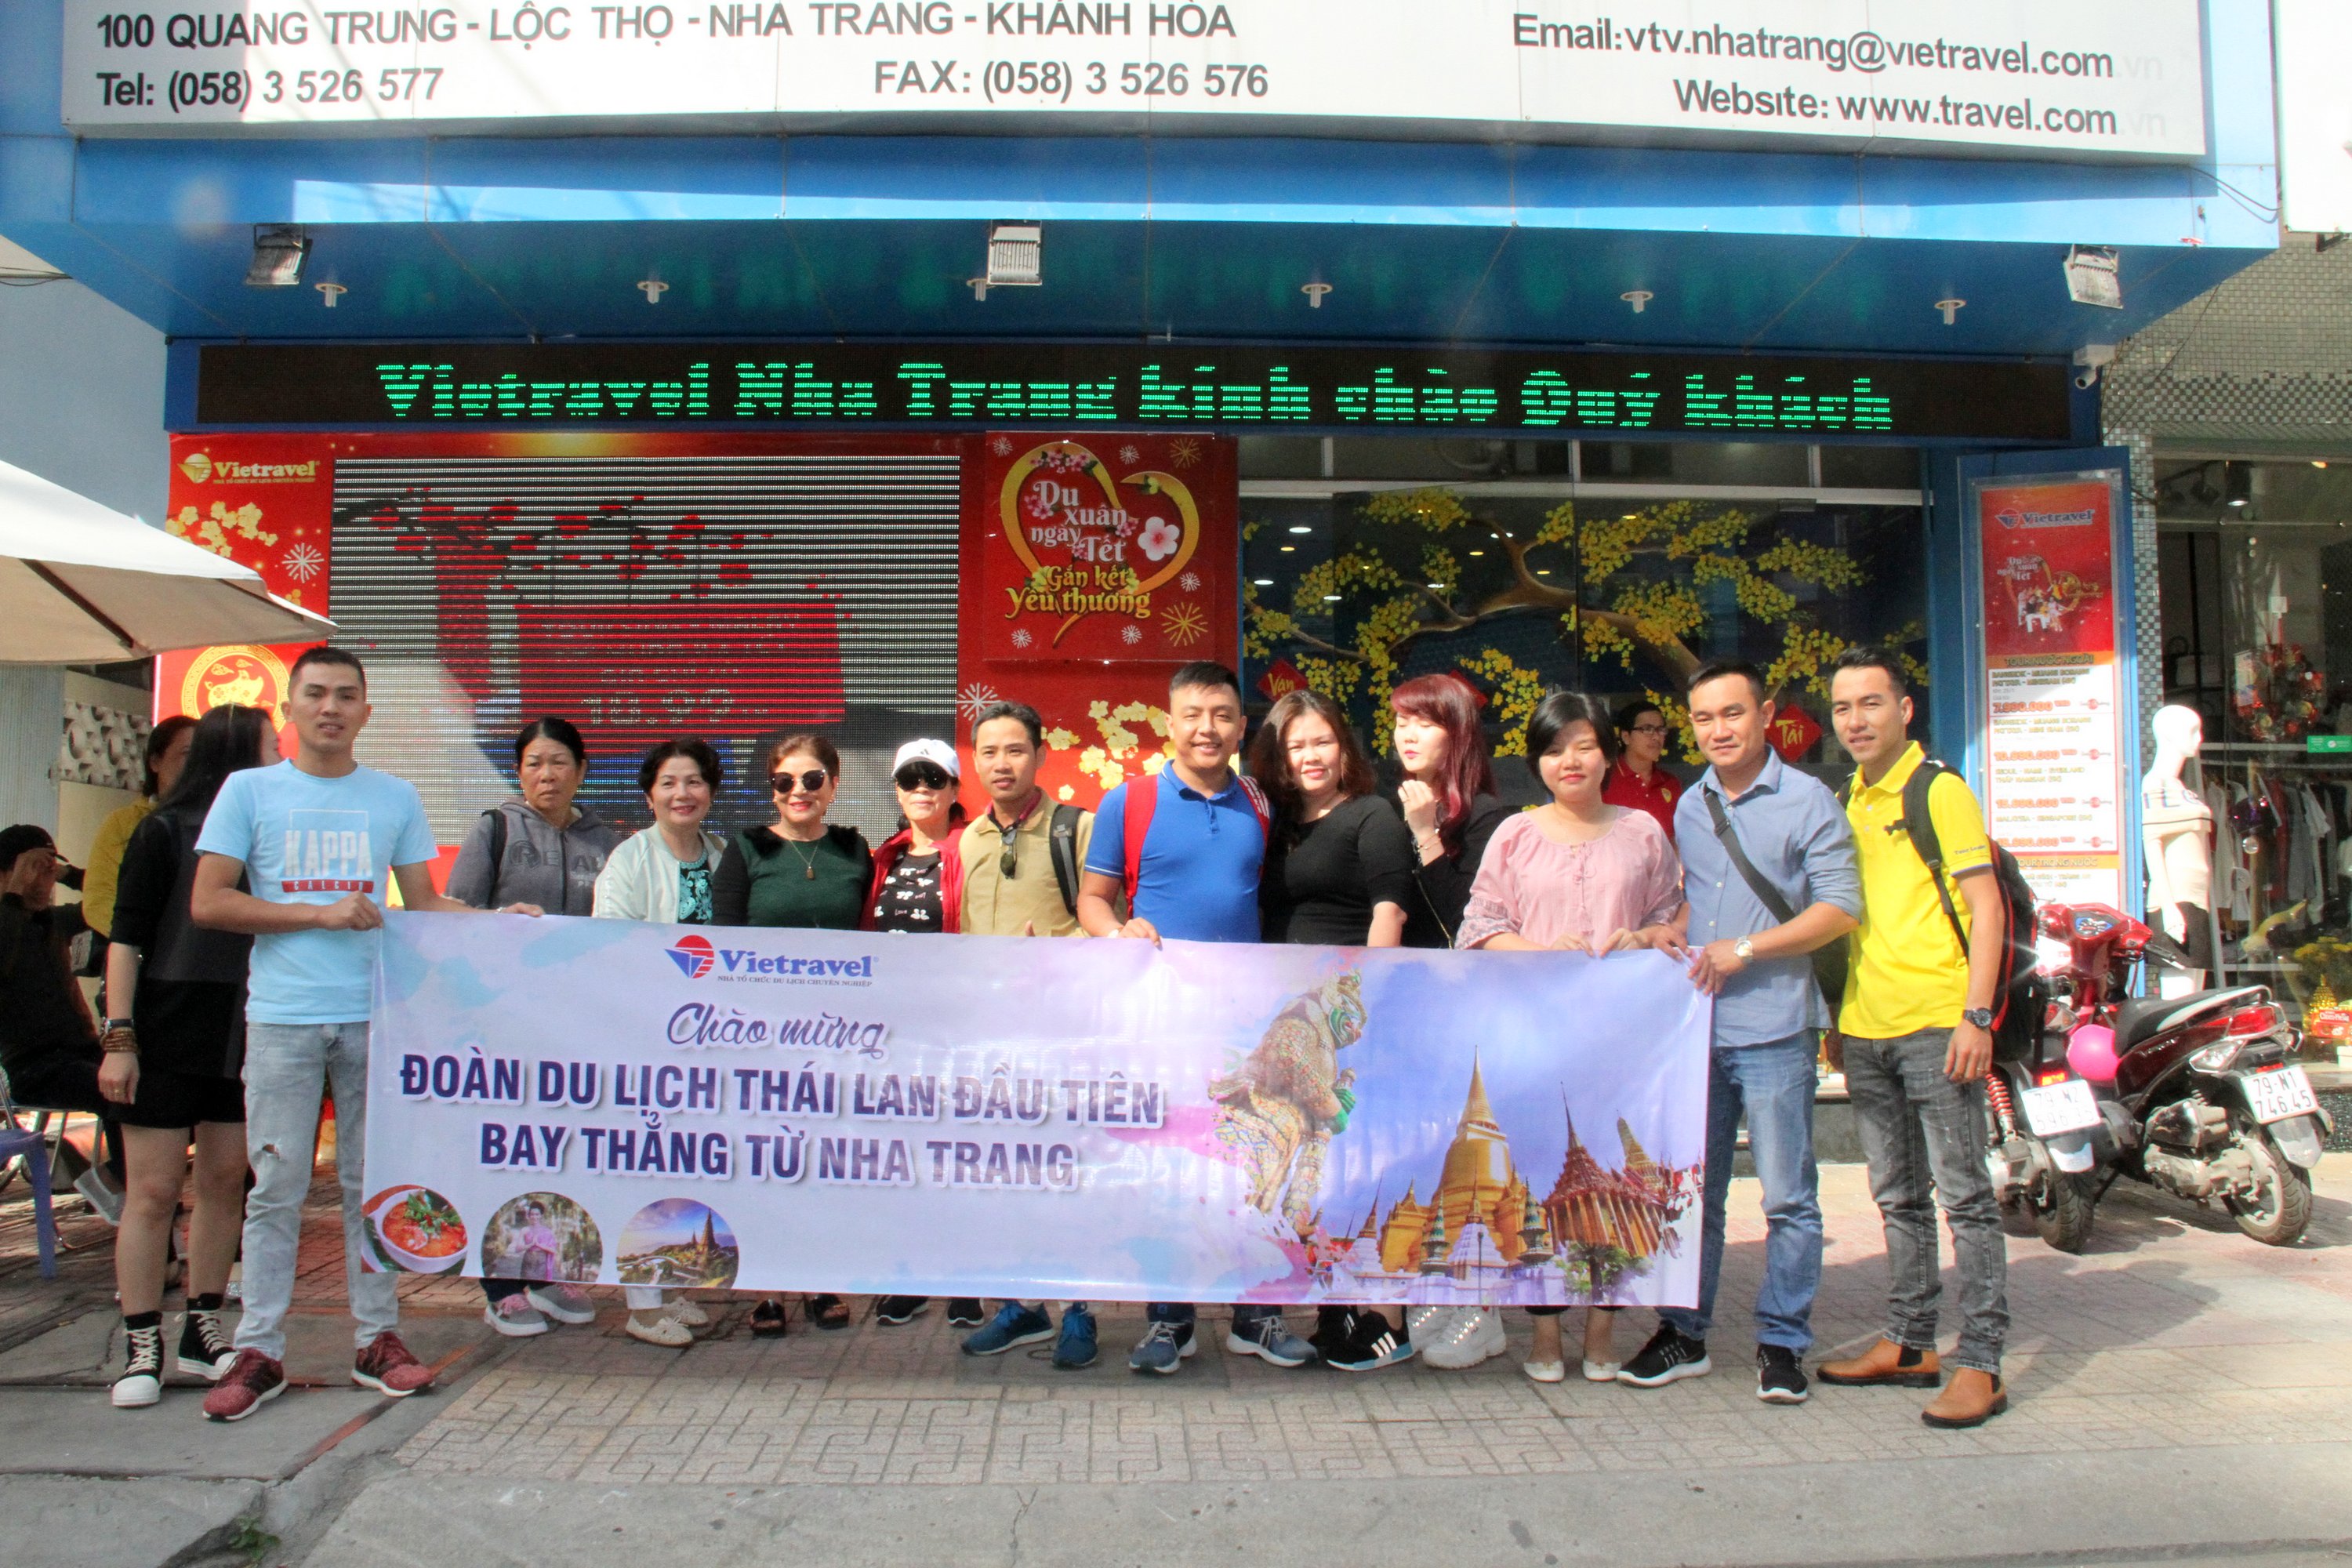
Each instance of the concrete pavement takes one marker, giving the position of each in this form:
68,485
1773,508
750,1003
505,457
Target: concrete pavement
2182,1394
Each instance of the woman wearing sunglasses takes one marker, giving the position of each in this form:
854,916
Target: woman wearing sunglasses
918,888
797,872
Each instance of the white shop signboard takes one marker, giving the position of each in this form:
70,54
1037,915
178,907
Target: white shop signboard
2088,79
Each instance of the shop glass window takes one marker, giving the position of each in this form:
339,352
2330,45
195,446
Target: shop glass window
2255,572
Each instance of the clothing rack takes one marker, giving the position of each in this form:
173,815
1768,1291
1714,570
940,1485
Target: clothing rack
2257,762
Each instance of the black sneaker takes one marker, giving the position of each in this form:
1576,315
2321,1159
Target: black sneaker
1779,1376
1334,1327
1372,1344
965,1312
897,1310
1669,1357
204,1346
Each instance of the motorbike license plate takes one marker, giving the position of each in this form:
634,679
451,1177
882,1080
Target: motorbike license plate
2057,1108
2280,1095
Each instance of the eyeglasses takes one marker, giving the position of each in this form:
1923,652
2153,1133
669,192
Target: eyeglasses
811,781
1646,730
920,775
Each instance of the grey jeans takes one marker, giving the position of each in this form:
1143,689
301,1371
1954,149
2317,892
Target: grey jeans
286,1068
1923,1136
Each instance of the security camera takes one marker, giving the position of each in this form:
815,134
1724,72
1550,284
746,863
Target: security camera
2090,359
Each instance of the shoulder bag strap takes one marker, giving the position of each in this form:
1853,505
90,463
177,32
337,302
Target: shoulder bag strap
1729,836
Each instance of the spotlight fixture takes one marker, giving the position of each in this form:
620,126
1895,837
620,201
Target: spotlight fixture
1950,305
331,293
1314,293
2238,484
1016,253
2093,276
1637,298
1301,528
652,289
279,251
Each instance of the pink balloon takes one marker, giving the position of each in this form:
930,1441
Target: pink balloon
2091,1051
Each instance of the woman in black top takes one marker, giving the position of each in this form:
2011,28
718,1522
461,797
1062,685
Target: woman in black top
174,1065
1448,799
1338,870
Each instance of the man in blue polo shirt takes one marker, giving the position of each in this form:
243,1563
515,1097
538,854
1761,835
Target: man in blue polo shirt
1195,880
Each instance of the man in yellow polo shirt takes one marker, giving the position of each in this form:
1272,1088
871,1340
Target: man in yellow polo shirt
1916,1043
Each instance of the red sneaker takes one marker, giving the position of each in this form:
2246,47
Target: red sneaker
388,1368
252,1381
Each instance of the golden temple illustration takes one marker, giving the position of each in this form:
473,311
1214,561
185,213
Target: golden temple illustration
1484,1233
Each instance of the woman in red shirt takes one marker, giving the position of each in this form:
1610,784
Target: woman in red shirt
1637,779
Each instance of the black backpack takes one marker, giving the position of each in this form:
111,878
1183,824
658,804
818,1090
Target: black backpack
2017,1011
1062,838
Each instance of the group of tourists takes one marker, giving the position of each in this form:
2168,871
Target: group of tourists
245,900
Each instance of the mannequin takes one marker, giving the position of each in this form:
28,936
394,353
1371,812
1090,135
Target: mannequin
2176,835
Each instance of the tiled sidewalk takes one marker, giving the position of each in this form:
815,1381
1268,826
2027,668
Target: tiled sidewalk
2174,1331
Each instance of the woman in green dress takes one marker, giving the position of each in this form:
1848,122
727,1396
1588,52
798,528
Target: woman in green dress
796,872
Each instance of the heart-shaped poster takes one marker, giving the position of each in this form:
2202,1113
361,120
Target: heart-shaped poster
1097,547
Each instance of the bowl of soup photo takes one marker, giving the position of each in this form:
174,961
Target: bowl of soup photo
417,1229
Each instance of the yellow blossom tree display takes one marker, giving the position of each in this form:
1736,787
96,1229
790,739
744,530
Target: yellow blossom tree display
1632,587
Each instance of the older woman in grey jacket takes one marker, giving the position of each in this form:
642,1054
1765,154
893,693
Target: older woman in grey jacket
538,848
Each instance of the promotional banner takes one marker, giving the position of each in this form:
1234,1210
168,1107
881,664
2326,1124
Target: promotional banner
2092,78
606,1102
2054,778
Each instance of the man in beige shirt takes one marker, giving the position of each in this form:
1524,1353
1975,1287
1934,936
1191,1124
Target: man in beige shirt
1022,860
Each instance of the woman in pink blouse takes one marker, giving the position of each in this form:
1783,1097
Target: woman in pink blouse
1578,874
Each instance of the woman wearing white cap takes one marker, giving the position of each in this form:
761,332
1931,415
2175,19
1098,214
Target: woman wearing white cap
918,887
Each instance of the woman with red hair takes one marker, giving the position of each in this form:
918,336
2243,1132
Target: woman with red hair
1447,797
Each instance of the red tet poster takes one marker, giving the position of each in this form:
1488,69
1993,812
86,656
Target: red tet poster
2054,774
1095,564
267,502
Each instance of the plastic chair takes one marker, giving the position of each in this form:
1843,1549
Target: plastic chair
31,1146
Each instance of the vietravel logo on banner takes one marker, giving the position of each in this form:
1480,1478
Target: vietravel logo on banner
596,1101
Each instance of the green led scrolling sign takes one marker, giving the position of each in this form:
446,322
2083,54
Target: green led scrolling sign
852,386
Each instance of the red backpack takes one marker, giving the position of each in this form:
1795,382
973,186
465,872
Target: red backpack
1136,821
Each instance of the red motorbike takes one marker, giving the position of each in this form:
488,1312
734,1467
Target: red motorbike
2197,1094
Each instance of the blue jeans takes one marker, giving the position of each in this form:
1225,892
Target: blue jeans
1923,1136
286,1067
1774,1084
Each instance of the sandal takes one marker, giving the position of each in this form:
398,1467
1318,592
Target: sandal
827,1312
768,1319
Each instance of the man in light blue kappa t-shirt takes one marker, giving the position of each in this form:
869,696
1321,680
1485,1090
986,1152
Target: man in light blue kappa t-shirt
315,838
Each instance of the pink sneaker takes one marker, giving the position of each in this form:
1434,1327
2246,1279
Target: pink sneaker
387,1367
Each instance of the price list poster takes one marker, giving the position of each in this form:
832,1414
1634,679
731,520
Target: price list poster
2054,686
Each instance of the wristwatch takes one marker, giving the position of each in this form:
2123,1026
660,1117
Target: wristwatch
1744,951
1981,1016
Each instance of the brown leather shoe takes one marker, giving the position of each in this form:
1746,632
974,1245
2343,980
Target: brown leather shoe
1884,1365
1972,1399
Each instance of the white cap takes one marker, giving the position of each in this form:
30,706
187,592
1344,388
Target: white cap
937,751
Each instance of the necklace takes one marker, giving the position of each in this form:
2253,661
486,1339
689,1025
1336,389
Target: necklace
808,864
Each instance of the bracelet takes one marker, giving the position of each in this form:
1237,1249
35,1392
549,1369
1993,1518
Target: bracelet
119,1042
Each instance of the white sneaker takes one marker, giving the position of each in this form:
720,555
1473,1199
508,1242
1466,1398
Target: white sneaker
142,1383
690,1313
1427,1324
564,1303
1473,1337
664,1330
